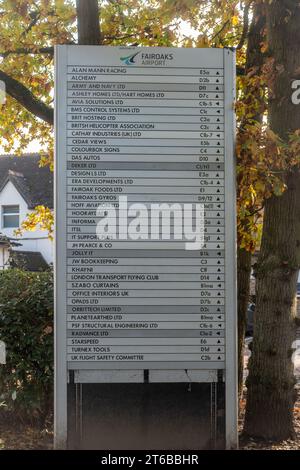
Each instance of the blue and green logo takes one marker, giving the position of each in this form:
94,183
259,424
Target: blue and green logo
129,60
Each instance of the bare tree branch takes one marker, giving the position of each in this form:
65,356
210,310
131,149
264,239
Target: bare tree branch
43,50
26,98
119,38
35,16
27,51
220,30
245,27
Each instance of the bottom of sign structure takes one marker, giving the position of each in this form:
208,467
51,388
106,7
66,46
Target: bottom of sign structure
97,365
138,376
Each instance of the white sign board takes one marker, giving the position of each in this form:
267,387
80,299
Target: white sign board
149,126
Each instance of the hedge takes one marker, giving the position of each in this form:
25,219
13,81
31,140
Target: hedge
26,327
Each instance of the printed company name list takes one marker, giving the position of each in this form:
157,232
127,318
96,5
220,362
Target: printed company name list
154,136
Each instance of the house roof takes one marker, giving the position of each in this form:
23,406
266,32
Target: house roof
28,260
7,242
34,183
4,240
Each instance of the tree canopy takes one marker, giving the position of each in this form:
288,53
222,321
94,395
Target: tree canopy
30,29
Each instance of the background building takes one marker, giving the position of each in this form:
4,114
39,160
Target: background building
23,186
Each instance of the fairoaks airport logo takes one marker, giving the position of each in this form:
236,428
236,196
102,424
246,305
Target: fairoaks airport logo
152,59
129,60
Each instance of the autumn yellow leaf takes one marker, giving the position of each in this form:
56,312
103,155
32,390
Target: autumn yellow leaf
235,20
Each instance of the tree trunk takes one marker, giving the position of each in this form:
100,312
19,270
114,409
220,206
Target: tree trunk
270,399
254,58
88,22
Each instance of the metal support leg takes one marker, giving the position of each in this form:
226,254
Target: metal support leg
213,414
78,413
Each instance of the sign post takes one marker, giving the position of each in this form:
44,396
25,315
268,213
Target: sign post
144,153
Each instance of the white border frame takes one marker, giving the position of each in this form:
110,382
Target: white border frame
231,394
60,357
61,373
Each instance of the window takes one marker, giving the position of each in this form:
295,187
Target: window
10,216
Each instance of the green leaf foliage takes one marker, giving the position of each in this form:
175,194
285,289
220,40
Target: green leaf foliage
26,327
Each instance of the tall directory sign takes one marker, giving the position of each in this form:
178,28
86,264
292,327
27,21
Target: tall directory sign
144,139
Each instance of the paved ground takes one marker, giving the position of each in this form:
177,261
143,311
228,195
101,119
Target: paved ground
13,437
254,444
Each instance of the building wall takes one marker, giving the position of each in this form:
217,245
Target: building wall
31,241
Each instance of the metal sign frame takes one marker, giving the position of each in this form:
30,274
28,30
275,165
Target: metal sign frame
61,372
